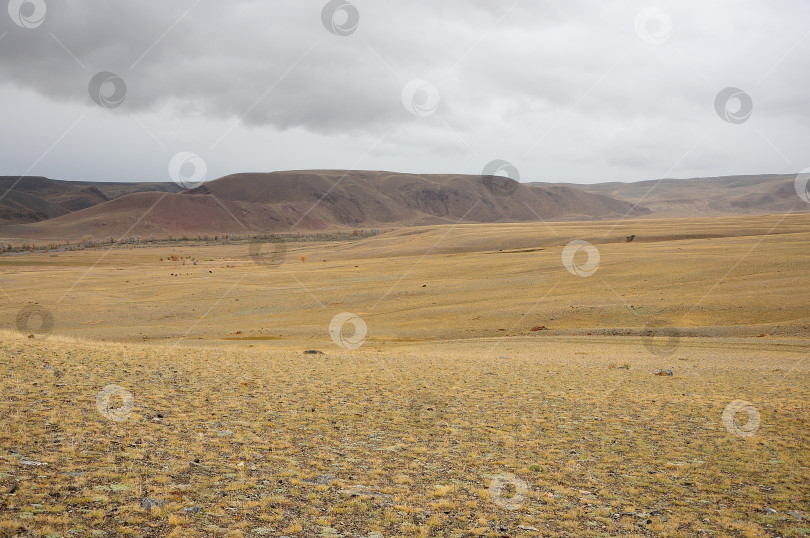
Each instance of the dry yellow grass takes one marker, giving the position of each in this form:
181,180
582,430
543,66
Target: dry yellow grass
440,424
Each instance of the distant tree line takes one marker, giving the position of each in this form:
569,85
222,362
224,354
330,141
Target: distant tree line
89,242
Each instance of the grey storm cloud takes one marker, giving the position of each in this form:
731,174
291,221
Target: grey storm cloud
565,80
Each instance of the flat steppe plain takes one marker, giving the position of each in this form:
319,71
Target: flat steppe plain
495,391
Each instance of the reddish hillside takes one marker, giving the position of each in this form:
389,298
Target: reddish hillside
712,196
26,199
318,200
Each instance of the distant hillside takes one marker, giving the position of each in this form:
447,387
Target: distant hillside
319,200
33,199
38,208
729,195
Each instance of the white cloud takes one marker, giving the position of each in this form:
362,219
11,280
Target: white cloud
566,91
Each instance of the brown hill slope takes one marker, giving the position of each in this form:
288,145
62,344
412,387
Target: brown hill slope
718,196
317,200
26,199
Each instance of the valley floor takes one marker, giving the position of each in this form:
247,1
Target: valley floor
569,436
439,381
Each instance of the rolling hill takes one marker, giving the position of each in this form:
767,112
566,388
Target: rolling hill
719,196
320,200
25,199
40,208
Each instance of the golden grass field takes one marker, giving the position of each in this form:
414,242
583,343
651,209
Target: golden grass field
496,393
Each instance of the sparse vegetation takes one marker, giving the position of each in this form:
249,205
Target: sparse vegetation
248,418
89,242
612,453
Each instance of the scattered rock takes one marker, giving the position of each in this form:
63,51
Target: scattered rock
797,515
365,491
147,503
527,528
668,371
195,509
770,511
539,328
629,238
32,463
313,352
321,480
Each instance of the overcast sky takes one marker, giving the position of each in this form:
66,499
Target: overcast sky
567,90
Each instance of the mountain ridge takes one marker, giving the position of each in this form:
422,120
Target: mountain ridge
324,199
246,203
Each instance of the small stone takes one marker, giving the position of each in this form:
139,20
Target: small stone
32,463
527,528
321,480
365,491
147,503
192,509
